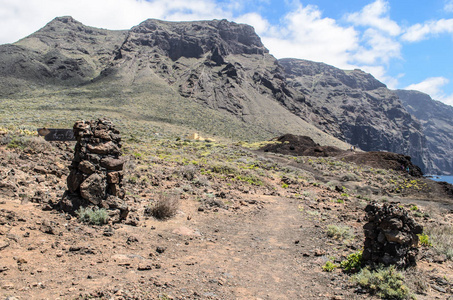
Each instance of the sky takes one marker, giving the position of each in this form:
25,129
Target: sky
404,44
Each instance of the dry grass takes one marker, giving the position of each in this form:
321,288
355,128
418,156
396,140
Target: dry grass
165,206
442,239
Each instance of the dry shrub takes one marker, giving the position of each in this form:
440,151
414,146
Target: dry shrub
442,239
165,206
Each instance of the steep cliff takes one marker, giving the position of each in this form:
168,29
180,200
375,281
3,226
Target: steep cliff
355,107
437,122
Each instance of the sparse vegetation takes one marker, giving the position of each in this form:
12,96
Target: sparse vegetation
339,231
387,283
165,206
441,238
96,216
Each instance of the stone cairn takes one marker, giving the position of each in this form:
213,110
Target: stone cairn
390,236
95,177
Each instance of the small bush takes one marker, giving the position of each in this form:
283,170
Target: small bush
387,283
92,216
339,231
350,177
165,206
352,263
329,266
424,240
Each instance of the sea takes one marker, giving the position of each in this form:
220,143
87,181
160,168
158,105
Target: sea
448,179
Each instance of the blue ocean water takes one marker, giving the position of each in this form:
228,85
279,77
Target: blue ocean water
448,179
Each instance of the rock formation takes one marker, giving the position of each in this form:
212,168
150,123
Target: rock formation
355,107
96,170
390,236
436,119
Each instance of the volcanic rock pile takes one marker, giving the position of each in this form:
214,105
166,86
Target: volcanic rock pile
390,236
96,170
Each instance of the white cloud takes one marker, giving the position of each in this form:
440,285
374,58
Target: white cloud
448,7
26,16
420,32
433,87
260,24
375,15
304,33
379,48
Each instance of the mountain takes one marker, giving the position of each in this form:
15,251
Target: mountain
436,119
211,76
357,108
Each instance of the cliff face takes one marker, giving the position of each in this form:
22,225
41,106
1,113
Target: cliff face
437,122
354,106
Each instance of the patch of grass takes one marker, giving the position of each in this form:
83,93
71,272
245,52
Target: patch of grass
92,216
387,283
313,212
165,206
339,231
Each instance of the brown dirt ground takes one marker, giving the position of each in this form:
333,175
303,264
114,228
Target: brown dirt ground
263,245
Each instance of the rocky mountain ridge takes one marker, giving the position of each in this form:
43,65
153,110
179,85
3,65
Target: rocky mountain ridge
436,119
224,70
354,106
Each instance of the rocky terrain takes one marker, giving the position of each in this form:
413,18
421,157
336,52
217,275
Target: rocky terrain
435,118
247,224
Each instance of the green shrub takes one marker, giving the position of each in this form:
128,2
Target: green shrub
92,216
329,266
352,263
424,240
387,283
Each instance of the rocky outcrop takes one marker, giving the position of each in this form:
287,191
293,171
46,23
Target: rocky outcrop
390,236
96,170
355,107
437,123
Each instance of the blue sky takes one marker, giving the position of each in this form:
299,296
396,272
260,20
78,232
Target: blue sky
405,44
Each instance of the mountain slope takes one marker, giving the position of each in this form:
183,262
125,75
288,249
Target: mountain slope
216,71
436,119
355,107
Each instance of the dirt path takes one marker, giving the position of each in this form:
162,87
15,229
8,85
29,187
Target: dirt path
264,250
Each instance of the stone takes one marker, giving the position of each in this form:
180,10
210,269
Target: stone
74,180
111,163
104,148
103,134
390,236
93,188
114,177
87,167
